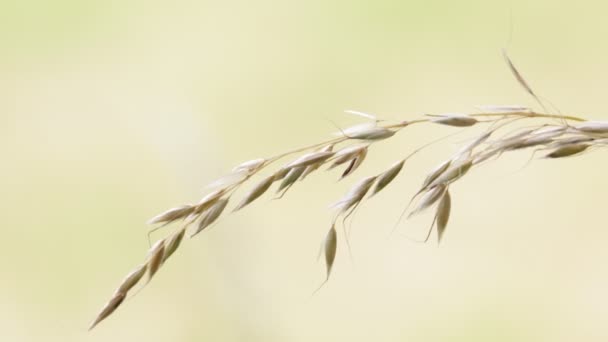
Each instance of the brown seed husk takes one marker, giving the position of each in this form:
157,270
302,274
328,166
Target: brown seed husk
331,243
567,150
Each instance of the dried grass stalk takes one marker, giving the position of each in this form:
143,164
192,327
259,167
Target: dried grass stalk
570,137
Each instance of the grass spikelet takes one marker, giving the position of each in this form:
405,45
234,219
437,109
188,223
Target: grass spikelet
173,214
132,279
173,243
155,258
313,167
372,133
292,176
443,214
355,195
453,173
347,154
354,163
211,216
456,120
599,127
518,75
387,176
209,200
330,246
568,150
109,308
429,198
436,172
256,192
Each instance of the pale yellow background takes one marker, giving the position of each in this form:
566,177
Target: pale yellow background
112,111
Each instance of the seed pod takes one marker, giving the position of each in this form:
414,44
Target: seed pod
347,154
212,215
570,141
431,196
372,133
281,173
292,176
330,246
354,164
109,308
310,168
155,258
443,214
436,172
256,192
456,120
173,214
567,150
387,177
453,173
173,243
132,279
593,127
356,129
209,200
355,195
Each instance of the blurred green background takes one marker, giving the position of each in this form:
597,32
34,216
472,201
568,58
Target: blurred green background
112,111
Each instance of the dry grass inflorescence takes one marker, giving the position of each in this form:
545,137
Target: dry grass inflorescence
553,135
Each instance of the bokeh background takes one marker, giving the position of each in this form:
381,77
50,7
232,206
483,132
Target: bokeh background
112,111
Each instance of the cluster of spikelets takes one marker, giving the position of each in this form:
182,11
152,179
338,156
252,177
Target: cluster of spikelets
557,137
